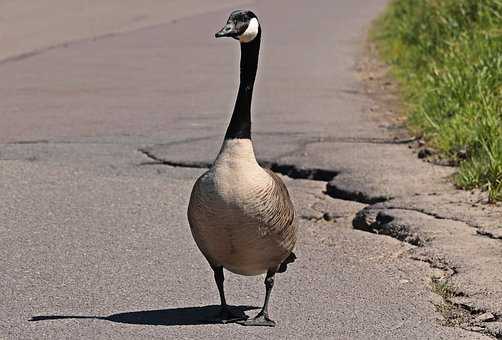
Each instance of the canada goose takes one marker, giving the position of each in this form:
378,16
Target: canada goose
240,214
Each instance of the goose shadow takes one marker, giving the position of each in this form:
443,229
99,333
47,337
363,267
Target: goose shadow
184,316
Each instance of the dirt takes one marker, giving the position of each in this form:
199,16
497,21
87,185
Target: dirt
457,232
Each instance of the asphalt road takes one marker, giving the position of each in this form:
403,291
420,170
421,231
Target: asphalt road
95,242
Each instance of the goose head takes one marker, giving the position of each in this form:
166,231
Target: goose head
242,25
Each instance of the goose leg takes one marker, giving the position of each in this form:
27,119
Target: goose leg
262,318
226,315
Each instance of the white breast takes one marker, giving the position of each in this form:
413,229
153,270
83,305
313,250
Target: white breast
236,171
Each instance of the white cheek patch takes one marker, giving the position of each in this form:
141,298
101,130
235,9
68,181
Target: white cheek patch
251,32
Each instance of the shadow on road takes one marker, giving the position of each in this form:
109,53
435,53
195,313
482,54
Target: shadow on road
163,317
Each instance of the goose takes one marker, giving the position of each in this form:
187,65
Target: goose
240,214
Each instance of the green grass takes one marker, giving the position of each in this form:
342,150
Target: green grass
447,56
453,315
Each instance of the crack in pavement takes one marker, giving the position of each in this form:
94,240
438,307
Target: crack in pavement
158,160
486,233
454,311
65,44
28,142
385,224
436,262
432,214
353,195
375,218
306,141
311,218
362,140
479,229
114,33
288,170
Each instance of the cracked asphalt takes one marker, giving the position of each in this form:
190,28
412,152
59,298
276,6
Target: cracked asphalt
102,140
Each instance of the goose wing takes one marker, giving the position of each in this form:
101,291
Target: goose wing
281,212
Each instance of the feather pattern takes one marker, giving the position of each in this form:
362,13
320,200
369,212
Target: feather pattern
240,214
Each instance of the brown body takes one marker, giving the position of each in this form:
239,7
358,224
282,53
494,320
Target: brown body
240,214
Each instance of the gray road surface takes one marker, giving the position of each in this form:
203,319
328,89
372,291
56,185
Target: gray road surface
95,242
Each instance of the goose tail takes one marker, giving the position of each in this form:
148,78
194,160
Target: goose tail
284,265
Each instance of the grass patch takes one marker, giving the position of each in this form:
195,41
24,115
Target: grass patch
442,288
453,315
447,57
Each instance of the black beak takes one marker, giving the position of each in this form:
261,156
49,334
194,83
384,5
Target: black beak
227,31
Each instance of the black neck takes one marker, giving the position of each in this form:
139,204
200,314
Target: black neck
240,124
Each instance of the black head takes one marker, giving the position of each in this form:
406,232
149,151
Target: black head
242,25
